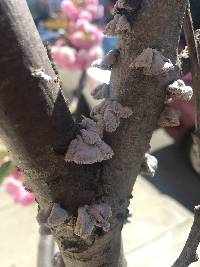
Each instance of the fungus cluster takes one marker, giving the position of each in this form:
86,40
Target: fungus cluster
107,62
178,90
118,25
88,147
89,217
152,62
53,215
108,115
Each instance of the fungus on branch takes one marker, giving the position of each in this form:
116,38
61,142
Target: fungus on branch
57,216
188,254
91,216
123,25
57,260
108,115
88,147
149,165
110,29
152,62
101,91
178,90
169,117
39,73
107,62
118,25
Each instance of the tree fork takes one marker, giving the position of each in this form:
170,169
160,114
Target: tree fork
37,127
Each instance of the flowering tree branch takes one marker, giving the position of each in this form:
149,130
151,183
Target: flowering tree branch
83,206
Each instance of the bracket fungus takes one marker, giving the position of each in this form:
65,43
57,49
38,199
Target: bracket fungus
107,62
152,62
39,73
149,165
169,117
57,216
108,115
88,148
57,260
178,90
91,216
123,25
118,25
101,91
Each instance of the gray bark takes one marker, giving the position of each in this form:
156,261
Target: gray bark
37,127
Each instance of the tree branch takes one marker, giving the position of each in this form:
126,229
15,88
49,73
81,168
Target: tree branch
195,64
37,126
188,254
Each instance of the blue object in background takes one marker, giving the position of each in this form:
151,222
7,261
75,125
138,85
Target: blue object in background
109,43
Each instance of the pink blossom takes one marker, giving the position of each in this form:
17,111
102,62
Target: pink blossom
86,57
70,9
86,39
18,192
64,56
97,11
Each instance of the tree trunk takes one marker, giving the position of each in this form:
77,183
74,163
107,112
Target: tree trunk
37,127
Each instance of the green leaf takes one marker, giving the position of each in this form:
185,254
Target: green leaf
5,170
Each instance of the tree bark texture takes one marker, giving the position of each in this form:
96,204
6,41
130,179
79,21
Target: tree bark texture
37,127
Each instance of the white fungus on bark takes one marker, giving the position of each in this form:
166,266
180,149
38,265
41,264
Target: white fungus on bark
101,91
107,62
57,260
149,165
39,73
178,90
57,216
88,148
169,117
152,62
91,216
108,115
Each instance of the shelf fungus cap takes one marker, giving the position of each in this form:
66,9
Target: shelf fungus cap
91,216
83,153
107,62
84,224
123,25
109,112
149,165
110,29
178,90
152,62
57,260
169,117
101,212
101,91
57,216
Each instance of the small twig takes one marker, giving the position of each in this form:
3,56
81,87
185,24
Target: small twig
45,251
188,254
194,58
